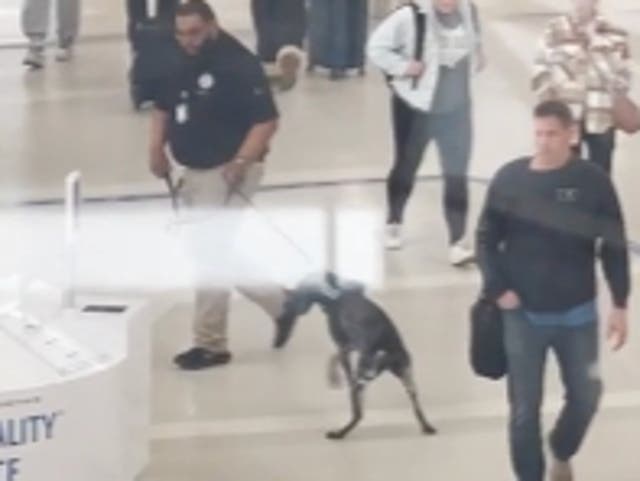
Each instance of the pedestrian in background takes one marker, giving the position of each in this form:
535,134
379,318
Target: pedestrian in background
428,50
584,61
36,18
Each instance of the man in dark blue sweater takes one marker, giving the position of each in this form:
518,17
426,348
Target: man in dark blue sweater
547,219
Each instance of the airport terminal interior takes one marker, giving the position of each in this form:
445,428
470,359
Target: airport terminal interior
263,417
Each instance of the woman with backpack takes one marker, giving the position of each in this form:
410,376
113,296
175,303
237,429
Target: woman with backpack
428,50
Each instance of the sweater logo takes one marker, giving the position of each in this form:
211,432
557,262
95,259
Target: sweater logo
567,194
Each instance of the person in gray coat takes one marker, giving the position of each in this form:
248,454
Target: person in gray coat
429,75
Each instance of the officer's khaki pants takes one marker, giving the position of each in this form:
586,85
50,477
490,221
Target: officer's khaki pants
213,219
36,16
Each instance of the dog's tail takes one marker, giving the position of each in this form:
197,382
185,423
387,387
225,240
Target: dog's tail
333,372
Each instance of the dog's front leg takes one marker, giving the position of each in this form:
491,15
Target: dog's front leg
344,357
356,391
337,361
410,386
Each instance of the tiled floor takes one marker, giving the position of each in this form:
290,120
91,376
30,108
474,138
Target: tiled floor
263,417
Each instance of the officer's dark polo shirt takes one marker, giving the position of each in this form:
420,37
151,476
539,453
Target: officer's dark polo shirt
213,101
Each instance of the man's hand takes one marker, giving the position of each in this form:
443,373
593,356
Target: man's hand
159,162
415,69
617,328
234,172
509,301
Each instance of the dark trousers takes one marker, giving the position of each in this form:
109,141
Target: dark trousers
337,34
278,23
137,12
599,147
413,131
576,349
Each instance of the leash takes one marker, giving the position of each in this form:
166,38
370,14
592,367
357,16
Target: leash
273,226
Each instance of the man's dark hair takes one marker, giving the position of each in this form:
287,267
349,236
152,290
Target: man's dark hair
556,109
196,7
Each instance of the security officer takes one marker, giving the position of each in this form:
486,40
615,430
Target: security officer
217,116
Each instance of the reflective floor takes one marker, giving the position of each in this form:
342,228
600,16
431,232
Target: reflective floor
263,417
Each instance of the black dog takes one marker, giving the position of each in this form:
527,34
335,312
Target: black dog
357,325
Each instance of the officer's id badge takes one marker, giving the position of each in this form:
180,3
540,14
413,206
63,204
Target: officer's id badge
206,81
182,113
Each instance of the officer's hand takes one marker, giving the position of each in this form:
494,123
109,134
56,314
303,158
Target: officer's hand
415,69
159,163
234,172
618,329
509,301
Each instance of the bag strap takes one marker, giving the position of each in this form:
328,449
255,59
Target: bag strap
420,19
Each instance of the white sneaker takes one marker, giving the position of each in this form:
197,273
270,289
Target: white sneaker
34,58
459,255
561,471
64,54
393,237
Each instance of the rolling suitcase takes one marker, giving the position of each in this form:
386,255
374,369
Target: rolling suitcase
337,35
155,52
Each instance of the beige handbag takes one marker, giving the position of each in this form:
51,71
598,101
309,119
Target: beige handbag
626,114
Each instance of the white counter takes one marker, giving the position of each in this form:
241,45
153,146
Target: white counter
74,395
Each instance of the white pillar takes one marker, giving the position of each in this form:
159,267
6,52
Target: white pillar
72,202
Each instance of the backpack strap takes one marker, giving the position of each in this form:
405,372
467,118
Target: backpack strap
420,20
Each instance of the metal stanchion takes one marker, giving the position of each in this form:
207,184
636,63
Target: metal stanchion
73,199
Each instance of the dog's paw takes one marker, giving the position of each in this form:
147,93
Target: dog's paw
429,430
335,435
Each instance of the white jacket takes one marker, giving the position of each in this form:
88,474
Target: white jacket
391,48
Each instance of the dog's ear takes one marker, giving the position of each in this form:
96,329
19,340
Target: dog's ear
332,280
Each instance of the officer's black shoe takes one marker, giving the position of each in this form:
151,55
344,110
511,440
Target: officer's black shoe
198,358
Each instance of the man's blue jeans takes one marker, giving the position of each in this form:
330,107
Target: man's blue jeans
576,349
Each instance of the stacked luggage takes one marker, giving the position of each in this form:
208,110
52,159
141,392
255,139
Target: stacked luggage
337,35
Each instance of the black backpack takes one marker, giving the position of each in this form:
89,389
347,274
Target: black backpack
487,352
